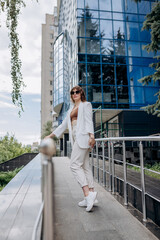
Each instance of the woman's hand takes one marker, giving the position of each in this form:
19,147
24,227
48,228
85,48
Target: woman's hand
49,136
91,142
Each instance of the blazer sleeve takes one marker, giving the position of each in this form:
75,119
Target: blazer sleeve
88,116
61,128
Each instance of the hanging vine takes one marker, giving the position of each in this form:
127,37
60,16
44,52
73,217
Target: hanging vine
12,8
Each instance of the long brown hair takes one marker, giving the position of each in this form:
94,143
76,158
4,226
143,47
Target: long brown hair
78,88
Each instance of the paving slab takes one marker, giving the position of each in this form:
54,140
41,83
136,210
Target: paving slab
109,220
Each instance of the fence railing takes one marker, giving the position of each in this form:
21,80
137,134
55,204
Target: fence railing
99,161
45,220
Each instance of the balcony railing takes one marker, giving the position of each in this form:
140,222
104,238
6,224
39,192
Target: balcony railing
99,161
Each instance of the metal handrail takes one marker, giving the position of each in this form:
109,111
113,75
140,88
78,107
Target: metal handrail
47,149
111,141
35,229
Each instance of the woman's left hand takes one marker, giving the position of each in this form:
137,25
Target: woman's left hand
91,142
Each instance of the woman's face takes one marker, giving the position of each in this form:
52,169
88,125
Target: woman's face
77,95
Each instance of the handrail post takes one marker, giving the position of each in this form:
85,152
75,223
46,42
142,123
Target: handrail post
109,163
48,214
97,161
125,174
104,167
113,169
92,162
142,181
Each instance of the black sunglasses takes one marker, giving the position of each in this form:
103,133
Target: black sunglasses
77,92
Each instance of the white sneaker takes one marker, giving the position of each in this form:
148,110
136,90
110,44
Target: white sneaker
90,200
83,203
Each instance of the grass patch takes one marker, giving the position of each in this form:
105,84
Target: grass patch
155,167
5,177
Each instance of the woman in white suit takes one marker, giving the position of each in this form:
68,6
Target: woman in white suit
81,134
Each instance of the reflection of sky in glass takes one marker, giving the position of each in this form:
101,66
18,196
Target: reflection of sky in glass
134,49
130,6
132,31
80,3
144,7
106,28
91,4
105,5
119,28
117,5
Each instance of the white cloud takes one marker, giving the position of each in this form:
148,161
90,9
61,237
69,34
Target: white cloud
36,100
6,105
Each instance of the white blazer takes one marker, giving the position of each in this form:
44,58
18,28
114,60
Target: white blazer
84,125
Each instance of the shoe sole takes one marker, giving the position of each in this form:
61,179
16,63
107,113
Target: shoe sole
90,208
96,202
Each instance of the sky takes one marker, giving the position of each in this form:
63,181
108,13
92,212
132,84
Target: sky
26,128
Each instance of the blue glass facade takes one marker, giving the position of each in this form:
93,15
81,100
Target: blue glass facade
111,58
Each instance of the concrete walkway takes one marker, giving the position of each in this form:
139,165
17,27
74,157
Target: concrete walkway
108,221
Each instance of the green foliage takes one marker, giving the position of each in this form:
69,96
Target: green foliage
155,167
12,8
10,148
47,130
5,177
152,23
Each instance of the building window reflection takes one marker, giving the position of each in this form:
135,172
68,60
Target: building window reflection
94,93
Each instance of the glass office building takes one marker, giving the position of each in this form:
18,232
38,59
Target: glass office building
103,49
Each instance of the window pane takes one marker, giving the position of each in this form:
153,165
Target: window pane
109,95
130,6
120,47
150,97
135,73
94,14
118,16
106,15
145,53
121,73
81,27
105,5
107,59
132,31
91,4
107,47
94,93
137,95
134,49
81,57
81,45
123,94
80,3
92,27
132,17
106,28
117,5
94,74
93,58
144,7
93,46
119,30
108,74
82,73
144,35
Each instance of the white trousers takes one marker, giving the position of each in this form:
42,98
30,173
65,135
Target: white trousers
80,163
